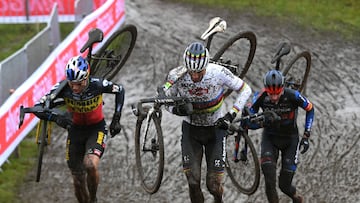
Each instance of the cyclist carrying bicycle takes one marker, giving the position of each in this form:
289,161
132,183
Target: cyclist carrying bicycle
87,131
204,84
281,135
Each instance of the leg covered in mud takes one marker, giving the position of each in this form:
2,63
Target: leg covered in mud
269,171
285,180
193,178
81,191
214,183
91,163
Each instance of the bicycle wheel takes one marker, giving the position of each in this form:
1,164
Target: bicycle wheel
295,75
244,172
42,142
149,151
111,57
234,55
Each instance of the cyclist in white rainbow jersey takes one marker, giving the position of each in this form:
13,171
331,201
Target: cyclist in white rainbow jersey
204,84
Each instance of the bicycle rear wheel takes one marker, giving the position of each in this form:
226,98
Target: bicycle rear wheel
295,75
149,151
111,57
42,142
245,172
232,52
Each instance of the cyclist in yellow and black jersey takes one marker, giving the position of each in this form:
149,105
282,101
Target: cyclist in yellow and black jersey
87,132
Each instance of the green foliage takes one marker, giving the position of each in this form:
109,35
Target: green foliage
16,170
14,36
325,15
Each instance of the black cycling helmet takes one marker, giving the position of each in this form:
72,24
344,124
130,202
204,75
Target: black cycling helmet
274,82
196,57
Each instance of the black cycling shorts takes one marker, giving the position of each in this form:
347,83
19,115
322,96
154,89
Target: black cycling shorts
273,144
196,139
84,140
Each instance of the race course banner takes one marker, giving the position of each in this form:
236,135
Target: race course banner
35,11
109,17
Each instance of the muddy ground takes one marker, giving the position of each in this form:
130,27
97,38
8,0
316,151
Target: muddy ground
328,172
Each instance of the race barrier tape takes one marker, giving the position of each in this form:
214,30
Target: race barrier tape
109,17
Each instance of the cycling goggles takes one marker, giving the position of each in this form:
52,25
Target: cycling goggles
274,89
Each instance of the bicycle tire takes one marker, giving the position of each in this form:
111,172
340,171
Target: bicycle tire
111,57
294,75
251,37
150,166
245,176
225,49
41,147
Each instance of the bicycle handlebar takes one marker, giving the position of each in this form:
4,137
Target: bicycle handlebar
253,118
158,101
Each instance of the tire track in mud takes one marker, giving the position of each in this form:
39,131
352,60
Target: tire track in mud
328,172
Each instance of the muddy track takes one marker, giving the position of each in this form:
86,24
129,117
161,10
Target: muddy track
329,172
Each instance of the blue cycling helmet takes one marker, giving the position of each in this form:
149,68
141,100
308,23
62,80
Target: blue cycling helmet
196,57
77,69
274,82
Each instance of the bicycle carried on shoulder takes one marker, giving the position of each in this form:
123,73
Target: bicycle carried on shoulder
244,169
149,144
105,63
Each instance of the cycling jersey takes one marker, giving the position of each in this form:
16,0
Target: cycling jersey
206,96
286,108
86,107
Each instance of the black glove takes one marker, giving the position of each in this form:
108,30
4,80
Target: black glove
115,126
183,109
305,143
225,121
63,121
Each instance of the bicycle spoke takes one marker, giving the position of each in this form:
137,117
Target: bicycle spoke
114,53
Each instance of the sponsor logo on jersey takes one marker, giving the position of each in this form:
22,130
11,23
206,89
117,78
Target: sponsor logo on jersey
84,106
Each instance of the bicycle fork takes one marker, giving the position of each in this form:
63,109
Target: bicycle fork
243,152
154,146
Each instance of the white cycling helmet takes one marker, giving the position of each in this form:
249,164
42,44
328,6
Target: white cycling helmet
77,69
196,57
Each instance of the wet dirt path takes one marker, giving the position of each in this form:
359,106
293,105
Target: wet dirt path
329,172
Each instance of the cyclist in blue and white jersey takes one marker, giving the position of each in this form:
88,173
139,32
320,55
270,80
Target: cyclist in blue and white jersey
281,136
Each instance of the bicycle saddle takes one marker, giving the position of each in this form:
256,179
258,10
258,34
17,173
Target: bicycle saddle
282,49
95,35
215,25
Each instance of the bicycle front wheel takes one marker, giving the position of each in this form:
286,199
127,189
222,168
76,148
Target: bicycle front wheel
42,142
111,57
295,75
244,171
149,151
